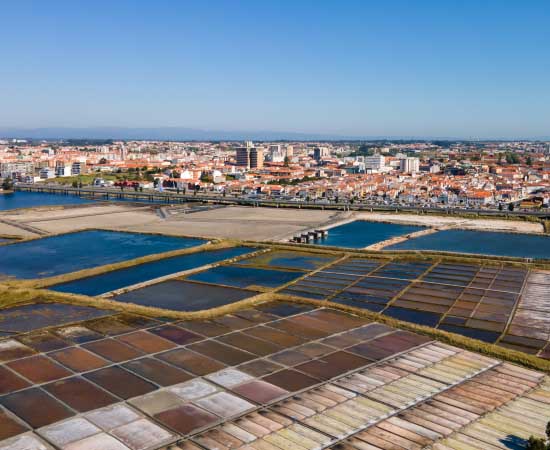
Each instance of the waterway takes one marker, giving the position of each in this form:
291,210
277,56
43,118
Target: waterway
481,242
361,233
33,199
64,253
129,276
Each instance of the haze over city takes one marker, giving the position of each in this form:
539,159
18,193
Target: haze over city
351,69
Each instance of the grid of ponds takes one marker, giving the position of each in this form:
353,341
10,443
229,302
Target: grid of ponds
55,255
362,233
481,242
499,304
279,376
220,285
118,279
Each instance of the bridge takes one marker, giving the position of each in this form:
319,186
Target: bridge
169,197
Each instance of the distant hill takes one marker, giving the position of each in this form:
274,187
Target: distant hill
164,133
192,134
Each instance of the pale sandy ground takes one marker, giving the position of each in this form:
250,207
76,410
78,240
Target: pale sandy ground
242,223
9,230
230,222
56,212
455,222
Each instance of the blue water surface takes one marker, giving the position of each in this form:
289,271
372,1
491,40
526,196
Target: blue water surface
118,279
291,260
481,242
55,255
34,199
362,233
243,277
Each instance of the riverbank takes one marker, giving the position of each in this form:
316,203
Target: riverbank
433,221
398,239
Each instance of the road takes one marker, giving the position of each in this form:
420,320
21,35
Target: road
172,197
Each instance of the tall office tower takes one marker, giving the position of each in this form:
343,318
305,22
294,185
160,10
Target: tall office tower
250,157
242,157
289,151
256,158
320,152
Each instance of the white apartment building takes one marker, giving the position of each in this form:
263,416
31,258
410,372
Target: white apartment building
409,165
62,169
375,162
16,169
46,172
276,154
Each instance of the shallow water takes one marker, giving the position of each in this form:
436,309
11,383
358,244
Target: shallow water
55,255
33,199
183,296
481,242
118,279
362,233
243,277
292,260
414,316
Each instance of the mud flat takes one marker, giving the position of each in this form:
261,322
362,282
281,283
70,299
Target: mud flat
239,222
232,222
398,239
514,226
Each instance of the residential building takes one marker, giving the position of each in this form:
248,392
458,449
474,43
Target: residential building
374,162
250,157
78,168
46,172
320,152
62,169
409,165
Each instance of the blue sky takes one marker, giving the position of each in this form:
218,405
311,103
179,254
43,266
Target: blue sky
387,68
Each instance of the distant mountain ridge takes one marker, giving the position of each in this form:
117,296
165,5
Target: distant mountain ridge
159,134
193,134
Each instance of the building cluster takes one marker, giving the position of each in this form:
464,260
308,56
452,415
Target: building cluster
467,174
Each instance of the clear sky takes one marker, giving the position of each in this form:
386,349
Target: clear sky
465,68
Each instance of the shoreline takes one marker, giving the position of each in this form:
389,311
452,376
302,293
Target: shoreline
398,239
441,222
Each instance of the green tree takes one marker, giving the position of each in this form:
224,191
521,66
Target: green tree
536,444
364,150
510,207
7,184
512,158
529,161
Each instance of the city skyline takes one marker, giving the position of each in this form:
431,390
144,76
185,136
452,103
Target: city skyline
356,69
